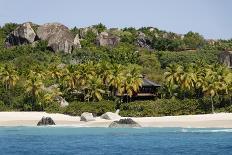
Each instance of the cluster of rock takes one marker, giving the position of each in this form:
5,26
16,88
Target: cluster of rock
143,41
124,123
23,34
46,121
107,39
86,116
58,36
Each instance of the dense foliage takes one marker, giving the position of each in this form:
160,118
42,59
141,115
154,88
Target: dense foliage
31,77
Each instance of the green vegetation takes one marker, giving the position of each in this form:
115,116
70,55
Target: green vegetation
193,81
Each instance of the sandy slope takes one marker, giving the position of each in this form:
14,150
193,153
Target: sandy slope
220,120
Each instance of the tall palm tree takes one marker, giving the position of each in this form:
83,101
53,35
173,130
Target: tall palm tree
55,72
94,89
210,84
133,81
116,82
173,75
105,71
70,78
51,95
85,72
34,86
8,76
187,79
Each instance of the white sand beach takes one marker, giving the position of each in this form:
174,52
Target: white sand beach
219,120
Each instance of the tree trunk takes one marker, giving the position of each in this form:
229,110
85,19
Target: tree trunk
212,106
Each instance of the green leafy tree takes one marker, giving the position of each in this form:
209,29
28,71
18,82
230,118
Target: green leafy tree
193,40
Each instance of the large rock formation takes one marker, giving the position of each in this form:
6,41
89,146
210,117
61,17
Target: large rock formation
23,34
226,58
46,121
86,116
59,37
124,123
77,41
110,116
143,41
106,39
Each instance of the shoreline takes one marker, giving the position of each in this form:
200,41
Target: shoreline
218,120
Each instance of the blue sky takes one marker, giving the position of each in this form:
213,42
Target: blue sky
211,18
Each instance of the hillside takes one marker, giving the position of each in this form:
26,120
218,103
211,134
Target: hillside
38,63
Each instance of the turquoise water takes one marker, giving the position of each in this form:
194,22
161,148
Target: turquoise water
73,140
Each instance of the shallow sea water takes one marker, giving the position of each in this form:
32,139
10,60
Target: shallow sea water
127,141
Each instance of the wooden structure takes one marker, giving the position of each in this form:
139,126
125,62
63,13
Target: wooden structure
148,91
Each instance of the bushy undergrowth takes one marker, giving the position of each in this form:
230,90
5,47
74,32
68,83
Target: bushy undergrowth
160,107
77,108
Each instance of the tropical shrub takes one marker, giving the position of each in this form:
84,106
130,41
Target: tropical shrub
97,108
161,107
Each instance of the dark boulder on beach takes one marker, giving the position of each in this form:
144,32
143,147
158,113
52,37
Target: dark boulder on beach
46,121
124,123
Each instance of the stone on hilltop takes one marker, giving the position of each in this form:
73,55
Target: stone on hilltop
59,37
143,41
23,34
106,39
226,58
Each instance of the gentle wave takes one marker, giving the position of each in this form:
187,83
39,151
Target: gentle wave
206,130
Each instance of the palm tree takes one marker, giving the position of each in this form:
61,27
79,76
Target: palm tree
85,72
173,75
210,84
8,76
34,86
51,95
187,79
70,78
133,81
105,71
55,72
94,89
116,82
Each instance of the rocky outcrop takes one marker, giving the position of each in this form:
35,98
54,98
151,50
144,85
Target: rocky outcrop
61,101
23,34
106,39
46,121
59,37
124,123
110,116
77,41
83,32
143,41
86,116
226,58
